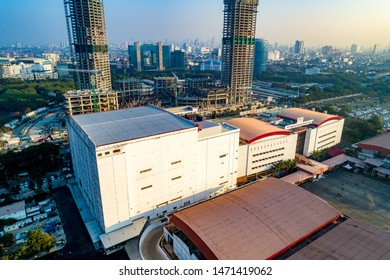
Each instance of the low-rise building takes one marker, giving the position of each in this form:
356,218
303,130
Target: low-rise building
316,131
16,210
262,145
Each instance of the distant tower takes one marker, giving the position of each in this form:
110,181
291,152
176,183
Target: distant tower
88,43
299,47
239,31
375,48
261,56
354,49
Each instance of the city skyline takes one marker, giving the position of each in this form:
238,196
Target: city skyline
317,23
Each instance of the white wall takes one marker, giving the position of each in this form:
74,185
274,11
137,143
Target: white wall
262,154
217,164
325,136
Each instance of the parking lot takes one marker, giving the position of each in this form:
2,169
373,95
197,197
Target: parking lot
355,195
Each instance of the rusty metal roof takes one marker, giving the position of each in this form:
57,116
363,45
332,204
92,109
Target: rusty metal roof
351,240
258,221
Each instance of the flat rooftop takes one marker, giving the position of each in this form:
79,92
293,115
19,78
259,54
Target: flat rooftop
12,208
129,124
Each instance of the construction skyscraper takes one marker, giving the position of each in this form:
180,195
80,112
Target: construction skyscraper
238,42
88,41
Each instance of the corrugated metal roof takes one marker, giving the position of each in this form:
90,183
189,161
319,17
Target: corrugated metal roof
255,222
317,117
351,240
252,130
380,143
123,125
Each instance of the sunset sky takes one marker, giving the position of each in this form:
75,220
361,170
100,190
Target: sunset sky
317,22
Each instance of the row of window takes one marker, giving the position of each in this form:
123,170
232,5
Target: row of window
322,136
263,165
327,139
270,145
263,159
148,187
116,151
150,169
327,144
259,154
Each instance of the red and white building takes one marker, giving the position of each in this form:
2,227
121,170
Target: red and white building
316,131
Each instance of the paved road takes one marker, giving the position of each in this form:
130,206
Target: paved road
79,245
150,246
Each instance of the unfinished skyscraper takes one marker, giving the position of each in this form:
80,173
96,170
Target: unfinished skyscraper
88,41
239,30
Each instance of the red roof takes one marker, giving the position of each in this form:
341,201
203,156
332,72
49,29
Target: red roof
259,221
380,143
351,240
252,130
317,117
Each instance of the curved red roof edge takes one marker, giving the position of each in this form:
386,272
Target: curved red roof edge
335,118
289,247
274,133
375,148
198,242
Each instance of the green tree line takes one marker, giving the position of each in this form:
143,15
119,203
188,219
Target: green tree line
37,160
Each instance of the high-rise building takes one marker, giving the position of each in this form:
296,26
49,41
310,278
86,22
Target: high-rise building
88,42
178,59
261,56
150,56
239,30
354,49
299,47
375,49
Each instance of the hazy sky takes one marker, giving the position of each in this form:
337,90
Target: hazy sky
317,22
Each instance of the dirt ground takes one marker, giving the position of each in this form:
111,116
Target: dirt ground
357,196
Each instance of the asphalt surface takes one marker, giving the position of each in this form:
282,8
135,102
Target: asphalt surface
150,247
355,195
79,245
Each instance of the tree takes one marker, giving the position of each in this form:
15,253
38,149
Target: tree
39,241
319,155
7,239
376,122
284,166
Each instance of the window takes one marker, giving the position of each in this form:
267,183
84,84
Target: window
107,153
176,162
222,156
176,178
145,170
147,187
99,154
177,198
187,203
116,151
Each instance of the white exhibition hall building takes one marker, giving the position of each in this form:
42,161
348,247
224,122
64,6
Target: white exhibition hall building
138,164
